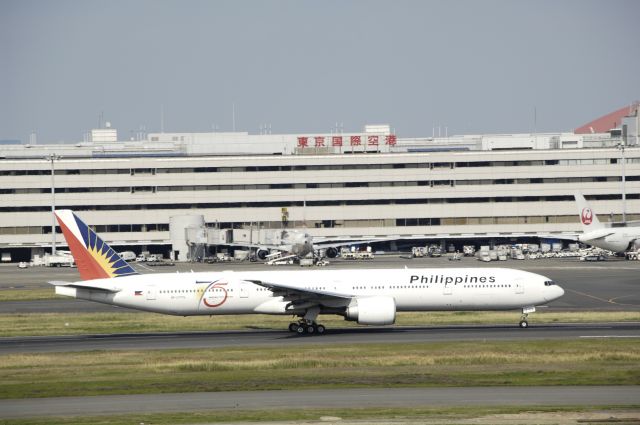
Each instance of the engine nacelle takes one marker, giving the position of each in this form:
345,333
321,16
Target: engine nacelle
372,311
331,252
262,254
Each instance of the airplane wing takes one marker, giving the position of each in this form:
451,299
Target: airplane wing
572,236
308,293
85,285
253,245
332,243
603,236
563,236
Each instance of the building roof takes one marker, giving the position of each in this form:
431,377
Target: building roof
607,122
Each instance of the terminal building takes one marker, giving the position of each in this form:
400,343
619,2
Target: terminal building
371,184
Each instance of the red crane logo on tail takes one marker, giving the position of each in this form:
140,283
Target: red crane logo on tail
587,216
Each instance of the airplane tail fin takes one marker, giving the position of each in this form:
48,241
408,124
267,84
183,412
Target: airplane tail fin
588,218
95,259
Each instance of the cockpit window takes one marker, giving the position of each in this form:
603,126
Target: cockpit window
549,283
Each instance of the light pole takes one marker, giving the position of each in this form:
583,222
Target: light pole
621,146
53,157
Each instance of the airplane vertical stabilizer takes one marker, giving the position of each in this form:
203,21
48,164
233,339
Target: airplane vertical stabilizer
94,258
588,218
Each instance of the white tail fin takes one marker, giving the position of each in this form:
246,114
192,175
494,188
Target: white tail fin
588,218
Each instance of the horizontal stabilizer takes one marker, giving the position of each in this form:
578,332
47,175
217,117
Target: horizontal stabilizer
81,285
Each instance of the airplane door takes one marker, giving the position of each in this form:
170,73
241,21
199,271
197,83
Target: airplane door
519,288
151,292
448,289
244,290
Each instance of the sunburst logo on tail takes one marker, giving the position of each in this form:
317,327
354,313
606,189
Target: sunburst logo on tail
95,258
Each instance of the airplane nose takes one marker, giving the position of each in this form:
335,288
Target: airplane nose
552,293
555,293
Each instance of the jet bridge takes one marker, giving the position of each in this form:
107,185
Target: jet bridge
193,239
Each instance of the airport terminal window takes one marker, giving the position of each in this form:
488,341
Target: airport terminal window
472,182
135,171
441,183
437,165
473,164
22,230
327,167
136,189
292,203
92,171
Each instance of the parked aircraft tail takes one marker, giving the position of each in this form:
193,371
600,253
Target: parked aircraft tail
588,218
95,259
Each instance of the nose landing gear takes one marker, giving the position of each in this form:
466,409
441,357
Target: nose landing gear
525,314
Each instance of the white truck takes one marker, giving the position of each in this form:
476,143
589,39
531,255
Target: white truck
59,260
127,255
418,251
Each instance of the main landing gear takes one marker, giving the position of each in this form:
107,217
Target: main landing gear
304,327
307,325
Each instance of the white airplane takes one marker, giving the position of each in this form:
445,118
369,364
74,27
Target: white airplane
368,296
297,243
617,239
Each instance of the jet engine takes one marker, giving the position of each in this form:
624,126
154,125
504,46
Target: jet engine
372,310
262,254
331,252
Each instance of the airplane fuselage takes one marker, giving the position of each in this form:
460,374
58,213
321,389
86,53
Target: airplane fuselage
612,239
218,293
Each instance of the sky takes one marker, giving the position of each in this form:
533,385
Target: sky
301,66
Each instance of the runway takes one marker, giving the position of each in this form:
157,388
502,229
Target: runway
332,398
386,335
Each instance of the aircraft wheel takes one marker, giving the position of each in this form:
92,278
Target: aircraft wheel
524,324
310,329
320,329
293,327
300,330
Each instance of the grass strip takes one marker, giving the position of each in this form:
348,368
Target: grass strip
479,415
44,324
28,294
549,362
